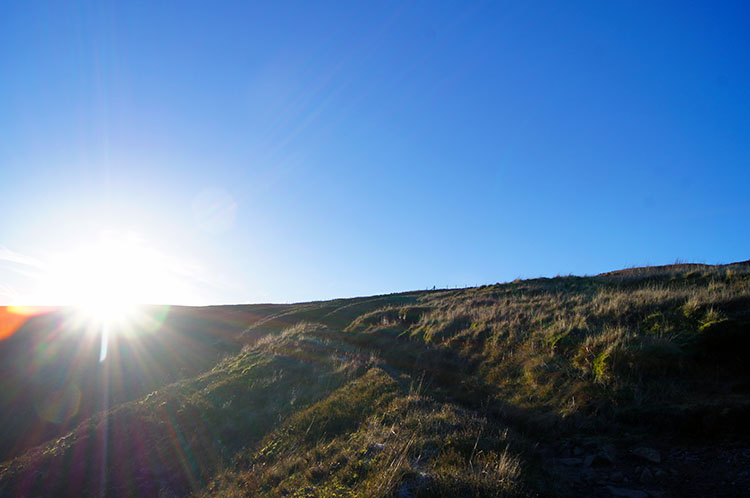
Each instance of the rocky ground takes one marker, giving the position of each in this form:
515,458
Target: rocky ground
650,470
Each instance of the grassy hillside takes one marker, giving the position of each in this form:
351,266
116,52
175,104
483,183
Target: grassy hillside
631,383
51,378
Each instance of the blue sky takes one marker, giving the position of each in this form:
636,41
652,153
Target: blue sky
287,151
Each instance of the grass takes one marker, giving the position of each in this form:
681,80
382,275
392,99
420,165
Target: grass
442,393
374,437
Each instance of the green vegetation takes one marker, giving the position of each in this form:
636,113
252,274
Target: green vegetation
468,392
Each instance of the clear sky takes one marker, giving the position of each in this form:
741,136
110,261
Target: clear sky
287,151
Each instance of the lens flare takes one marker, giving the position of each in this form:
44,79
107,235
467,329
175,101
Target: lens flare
106,281
13,317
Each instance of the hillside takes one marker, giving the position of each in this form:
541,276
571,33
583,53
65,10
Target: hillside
631,383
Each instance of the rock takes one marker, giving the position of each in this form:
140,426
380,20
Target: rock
627,493
616,476
589,474
648,454
646,476
598,460
412,486
577,451
607,454
570,461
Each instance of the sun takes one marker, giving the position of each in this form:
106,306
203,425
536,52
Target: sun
106,312
106,281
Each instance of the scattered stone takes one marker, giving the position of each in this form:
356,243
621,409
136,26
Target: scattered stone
570,461
607,454
411,487
646,476
648,454
598,460
588,474
627,493
577,451
616,476
374,448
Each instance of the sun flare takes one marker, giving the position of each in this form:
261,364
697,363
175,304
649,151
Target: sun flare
106,281
106,312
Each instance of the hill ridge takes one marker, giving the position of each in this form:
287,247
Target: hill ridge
540,387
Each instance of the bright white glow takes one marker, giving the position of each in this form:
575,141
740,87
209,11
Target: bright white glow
105,281
106,312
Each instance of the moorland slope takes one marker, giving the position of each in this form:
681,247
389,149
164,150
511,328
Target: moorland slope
630,383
